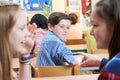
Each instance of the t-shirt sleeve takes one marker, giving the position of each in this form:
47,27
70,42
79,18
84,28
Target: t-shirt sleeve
103,62
64,54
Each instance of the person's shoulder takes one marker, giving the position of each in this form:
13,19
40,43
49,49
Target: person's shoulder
51,37
114,65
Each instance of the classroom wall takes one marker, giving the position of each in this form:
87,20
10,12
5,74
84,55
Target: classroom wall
58,5
93,3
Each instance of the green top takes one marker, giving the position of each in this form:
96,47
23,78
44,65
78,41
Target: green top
90,40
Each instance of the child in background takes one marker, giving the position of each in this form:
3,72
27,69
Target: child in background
53,51
42,29
90,40
16,40
76,30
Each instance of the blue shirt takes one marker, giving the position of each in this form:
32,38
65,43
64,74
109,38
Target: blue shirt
53,52
110,70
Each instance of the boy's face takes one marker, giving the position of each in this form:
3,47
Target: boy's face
62,29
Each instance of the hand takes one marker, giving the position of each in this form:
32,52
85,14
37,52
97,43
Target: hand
29,39
90,60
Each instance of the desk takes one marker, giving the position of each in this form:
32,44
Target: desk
105,55
33,61
78,57
75,41
76,77
78,48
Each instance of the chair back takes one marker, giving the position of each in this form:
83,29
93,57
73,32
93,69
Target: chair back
49,71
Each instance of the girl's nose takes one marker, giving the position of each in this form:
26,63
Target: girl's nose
91,31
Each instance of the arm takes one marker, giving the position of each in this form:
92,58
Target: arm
90,60
78,59
25,71
25,67
62,53
103,62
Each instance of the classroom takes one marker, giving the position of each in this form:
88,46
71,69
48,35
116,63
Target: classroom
65,39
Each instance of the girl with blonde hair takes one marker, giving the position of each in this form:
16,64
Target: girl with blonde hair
16,40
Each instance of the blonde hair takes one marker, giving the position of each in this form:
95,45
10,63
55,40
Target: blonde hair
8,12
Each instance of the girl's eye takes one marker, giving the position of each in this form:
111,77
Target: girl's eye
94,25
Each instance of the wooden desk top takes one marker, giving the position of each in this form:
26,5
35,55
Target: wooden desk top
76,77
75,41
105,55
33,61
77,47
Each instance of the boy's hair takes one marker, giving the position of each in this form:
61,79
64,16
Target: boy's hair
40,20
56,17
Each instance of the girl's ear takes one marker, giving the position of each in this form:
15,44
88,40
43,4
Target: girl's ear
50,27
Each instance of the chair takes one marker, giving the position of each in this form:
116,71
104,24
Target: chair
49,71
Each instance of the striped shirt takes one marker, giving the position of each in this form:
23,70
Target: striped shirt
53,52
110,70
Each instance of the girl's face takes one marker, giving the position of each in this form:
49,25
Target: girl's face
18,34
61,29
100,31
